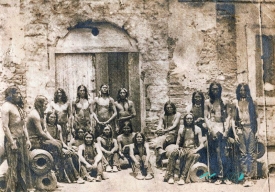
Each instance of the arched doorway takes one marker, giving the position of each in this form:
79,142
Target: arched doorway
94,54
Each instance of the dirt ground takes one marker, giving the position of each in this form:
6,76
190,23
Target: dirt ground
124,181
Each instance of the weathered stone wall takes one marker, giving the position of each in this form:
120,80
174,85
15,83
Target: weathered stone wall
12,69
182,46
46,22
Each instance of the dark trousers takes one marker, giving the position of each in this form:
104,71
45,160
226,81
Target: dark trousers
248,154
219,161
187,159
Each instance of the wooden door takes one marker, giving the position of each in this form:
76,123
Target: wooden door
120,70
73,70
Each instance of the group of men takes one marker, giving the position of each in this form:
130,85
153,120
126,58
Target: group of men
104,148
210,128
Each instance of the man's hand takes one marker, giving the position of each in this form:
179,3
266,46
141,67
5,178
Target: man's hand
160,132
29,145
14,146
237,139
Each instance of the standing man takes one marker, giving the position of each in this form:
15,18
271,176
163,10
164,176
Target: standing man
217,121
62,107
81,110
167,130
103,109
16,141
246,132
125,108
189,142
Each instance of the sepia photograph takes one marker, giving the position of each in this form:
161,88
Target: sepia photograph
137,95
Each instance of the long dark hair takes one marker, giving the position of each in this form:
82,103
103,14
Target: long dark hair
108,92
9,92
118,94
48,116
38,104
184,130
111,130
89,133
64,98
202,99
172,105
213,98
78,95
129,124
251,106
76,134
135,139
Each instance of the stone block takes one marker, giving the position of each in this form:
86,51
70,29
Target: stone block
35,30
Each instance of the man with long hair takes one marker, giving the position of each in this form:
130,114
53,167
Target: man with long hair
197,109
39,136
245,131
167,130
62,107
90,156
217,121
68,154
125,108
124,140
109,148
189,142
16,142
81,110
103,109
140,154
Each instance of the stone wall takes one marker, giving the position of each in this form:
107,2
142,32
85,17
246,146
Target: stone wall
183,46
12,69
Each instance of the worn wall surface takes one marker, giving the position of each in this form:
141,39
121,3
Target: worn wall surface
182,46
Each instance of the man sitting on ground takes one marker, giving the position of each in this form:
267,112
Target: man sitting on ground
109,147
90,156
124,140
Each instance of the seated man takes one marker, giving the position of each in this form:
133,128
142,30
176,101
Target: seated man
124,140
140,154
67,155
189,142
77,140
90,156
109,148
167,130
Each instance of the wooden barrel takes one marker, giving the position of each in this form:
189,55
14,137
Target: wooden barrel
46,182
41,161
198,172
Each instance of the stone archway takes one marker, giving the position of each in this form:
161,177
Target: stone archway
93,54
